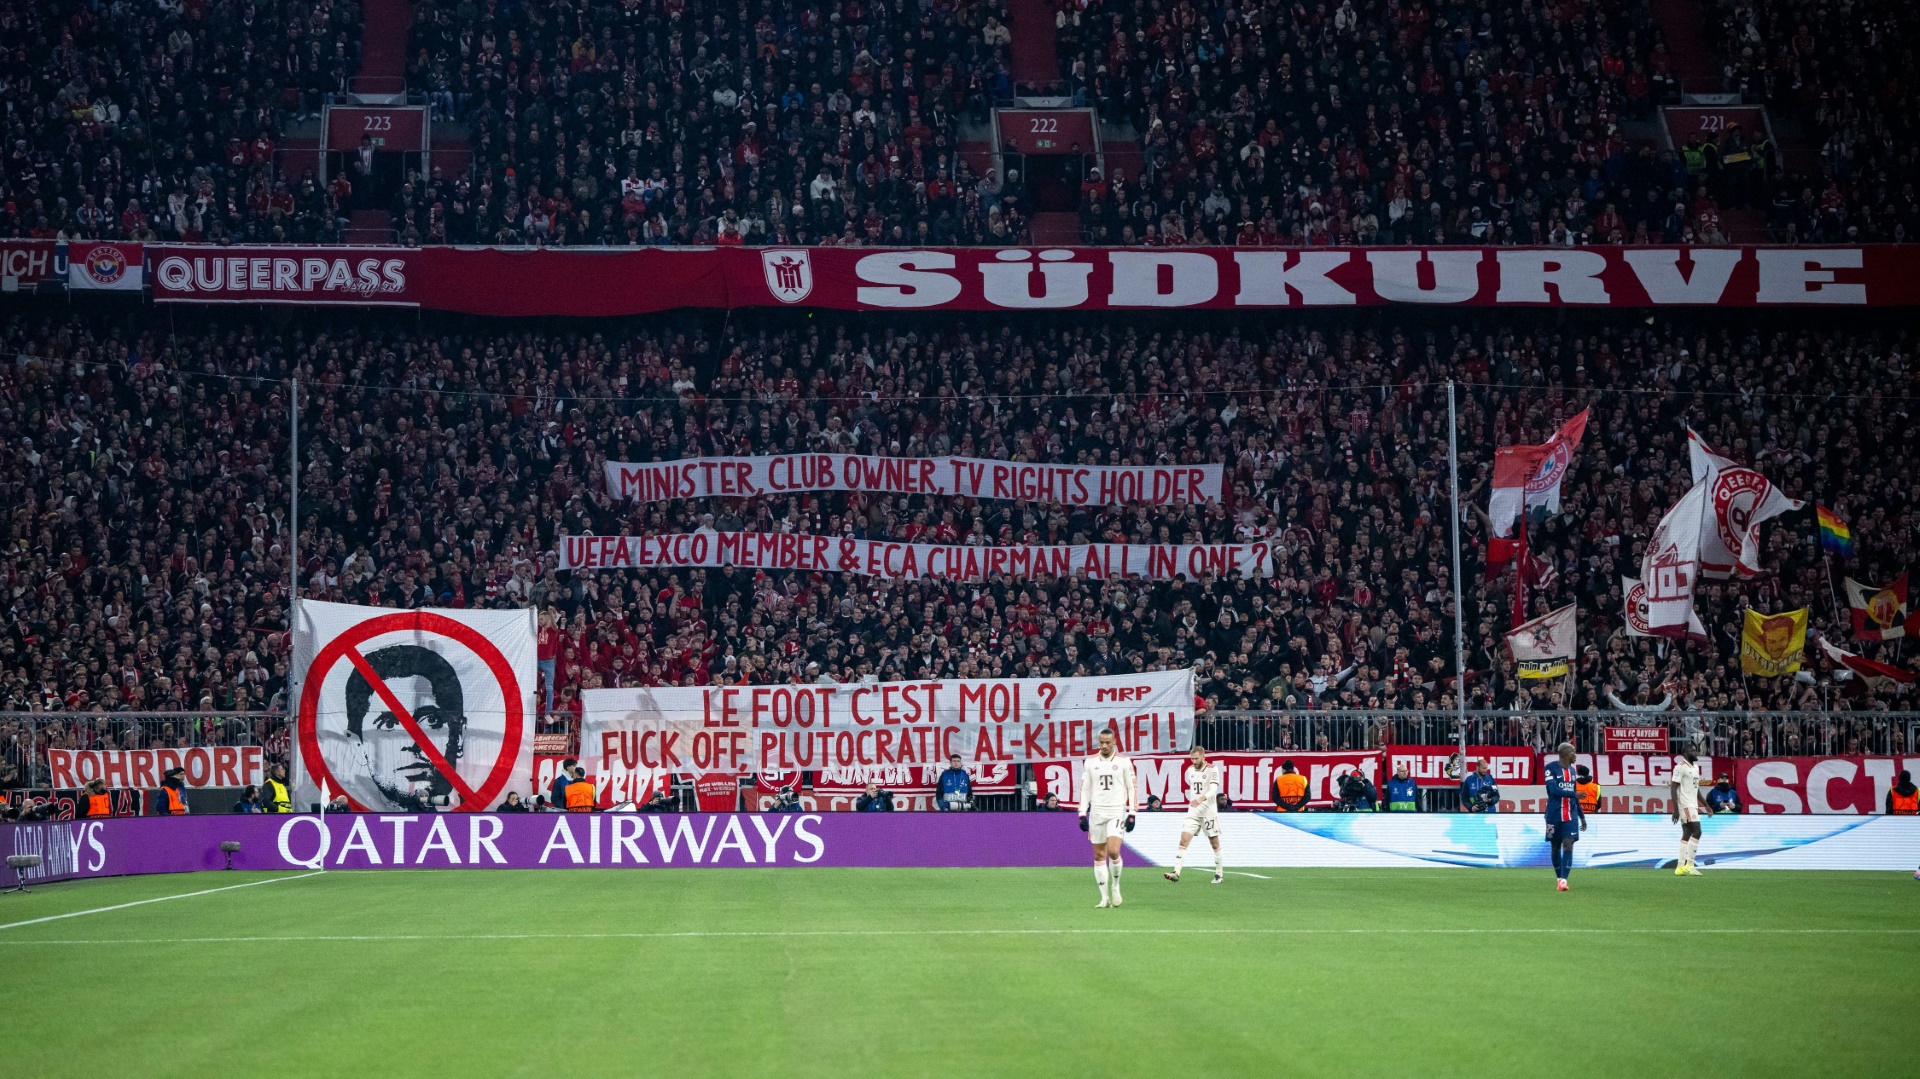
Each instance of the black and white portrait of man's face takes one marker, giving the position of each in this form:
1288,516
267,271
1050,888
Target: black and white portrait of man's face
426,685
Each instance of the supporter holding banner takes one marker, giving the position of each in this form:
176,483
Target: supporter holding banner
1073,485
780,728
1818,784
1245,778
911,561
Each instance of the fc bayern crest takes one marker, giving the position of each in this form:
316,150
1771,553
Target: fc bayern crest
1638,620
789,274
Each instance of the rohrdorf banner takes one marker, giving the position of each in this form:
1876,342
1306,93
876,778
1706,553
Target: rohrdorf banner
910,561
741,729
1075,485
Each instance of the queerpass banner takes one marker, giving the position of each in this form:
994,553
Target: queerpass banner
741,729
1440,766
1246,778
900,840
606,281
1818,784
204,766
910,561
1074,485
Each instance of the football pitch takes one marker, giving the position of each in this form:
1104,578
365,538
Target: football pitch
990,972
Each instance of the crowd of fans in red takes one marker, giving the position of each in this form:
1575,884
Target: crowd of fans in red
143,464
696,122
160,121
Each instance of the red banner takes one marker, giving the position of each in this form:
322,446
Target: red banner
1635,769
602,281
1634,739
30,263
1437,766
204,766
1818,784
1246,778
717,792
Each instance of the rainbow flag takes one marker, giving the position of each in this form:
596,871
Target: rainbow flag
1835,536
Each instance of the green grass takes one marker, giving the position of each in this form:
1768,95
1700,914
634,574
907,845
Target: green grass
894,980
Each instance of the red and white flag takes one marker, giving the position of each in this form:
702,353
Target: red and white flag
1670,569
1875,673
1738,500
1528,477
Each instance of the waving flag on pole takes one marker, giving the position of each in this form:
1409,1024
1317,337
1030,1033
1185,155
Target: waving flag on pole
1528,477
1835,536
1738,500
1881,614
1875,673
1544,646
1670,570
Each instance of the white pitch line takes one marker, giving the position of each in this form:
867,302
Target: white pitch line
1244,873
161,899
699,934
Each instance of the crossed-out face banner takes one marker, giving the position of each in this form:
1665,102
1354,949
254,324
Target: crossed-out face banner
972,477
626,733
629,281
910,561
412,711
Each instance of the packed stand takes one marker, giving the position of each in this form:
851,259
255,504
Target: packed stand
711,123
1377,123
144,467
1847,76
161,121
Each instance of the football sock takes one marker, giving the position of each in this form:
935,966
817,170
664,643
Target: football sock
1113,868
1683,854
1566,860
1216,861
1179,859
1100,878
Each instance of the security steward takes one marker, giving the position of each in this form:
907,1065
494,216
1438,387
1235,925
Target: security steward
95,802
274,795
171,799
579,792
1289,789
1904,798
1588,790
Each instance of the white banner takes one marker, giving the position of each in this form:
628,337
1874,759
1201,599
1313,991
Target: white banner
781,728
116,267
886,558
412,711
1074,485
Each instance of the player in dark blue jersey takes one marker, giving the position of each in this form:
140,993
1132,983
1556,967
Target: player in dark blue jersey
1564,816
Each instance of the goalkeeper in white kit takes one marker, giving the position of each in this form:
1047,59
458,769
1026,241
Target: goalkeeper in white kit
1203,812
1109,800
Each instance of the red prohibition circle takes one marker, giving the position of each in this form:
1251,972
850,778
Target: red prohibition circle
428,622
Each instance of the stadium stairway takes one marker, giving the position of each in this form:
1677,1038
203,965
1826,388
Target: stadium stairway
385,25
1035,67
1683,22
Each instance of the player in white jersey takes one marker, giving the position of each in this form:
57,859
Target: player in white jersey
1685,789
1203,812
1109,799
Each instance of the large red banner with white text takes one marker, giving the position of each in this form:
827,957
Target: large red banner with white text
203,766
971,477
1440,766
606,281
911,561
1818,784
1245,778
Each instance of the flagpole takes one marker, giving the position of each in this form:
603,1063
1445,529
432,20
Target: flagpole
1459,604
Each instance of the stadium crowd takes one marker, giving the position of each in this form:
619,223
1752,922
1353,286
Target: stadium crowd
161,121
144,471
704,122
1849,79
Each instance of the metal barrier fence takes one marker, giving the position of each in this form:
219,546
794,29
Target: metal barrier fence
26,736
